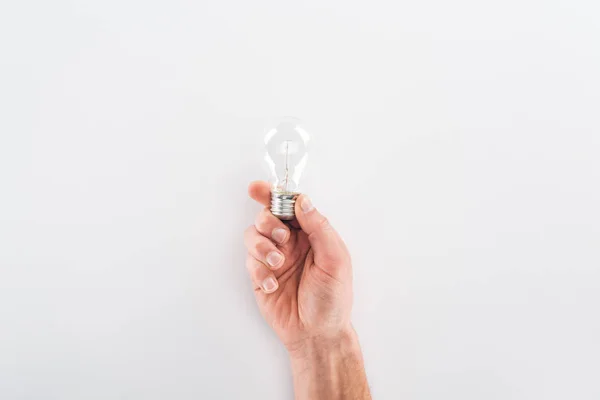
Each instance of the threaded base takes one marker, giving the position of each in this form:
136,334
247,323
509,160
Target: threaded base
282,205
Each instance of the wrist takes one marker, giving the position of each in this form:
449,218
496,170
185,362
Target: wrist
333,344
329,367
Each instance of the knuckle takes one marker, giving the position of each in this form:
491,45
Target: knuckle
249,263
260,247
253,270
261,220
256,247
333,257
324,223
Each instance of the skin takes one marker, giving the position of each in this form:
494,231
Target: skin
302,277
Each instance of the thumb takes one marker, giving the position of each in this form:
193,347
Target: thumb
328,247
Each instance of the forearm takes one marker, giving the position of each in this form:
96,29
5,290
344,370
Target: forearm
330,368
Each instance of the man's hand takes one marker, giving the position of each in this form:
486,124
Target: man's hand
302,277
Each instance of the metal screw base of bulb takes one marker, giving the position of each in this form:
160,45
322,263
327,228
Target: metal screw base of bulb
282,205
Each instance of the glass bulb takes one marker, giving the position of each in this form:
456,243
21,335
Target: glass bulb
286,144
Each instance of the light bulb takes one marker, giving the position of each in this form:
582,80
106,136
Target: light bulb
286,144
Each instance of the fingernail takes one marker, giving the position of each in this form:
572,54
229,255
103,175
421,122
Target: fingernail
270,285
274,259
306,204
279,235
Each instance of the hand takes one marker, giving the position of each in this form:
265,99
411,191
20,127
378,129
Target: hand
301,271
302,278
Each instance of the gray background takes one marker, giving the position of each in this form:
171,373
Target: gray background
455,148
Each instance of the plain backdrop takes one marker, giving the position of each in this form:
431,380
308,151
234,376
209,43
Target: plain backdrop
455,148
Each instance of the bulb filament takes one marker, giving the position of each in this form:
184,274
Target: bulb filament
287,146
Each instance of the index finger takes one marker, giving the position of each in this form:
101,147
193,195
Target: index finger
261,192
